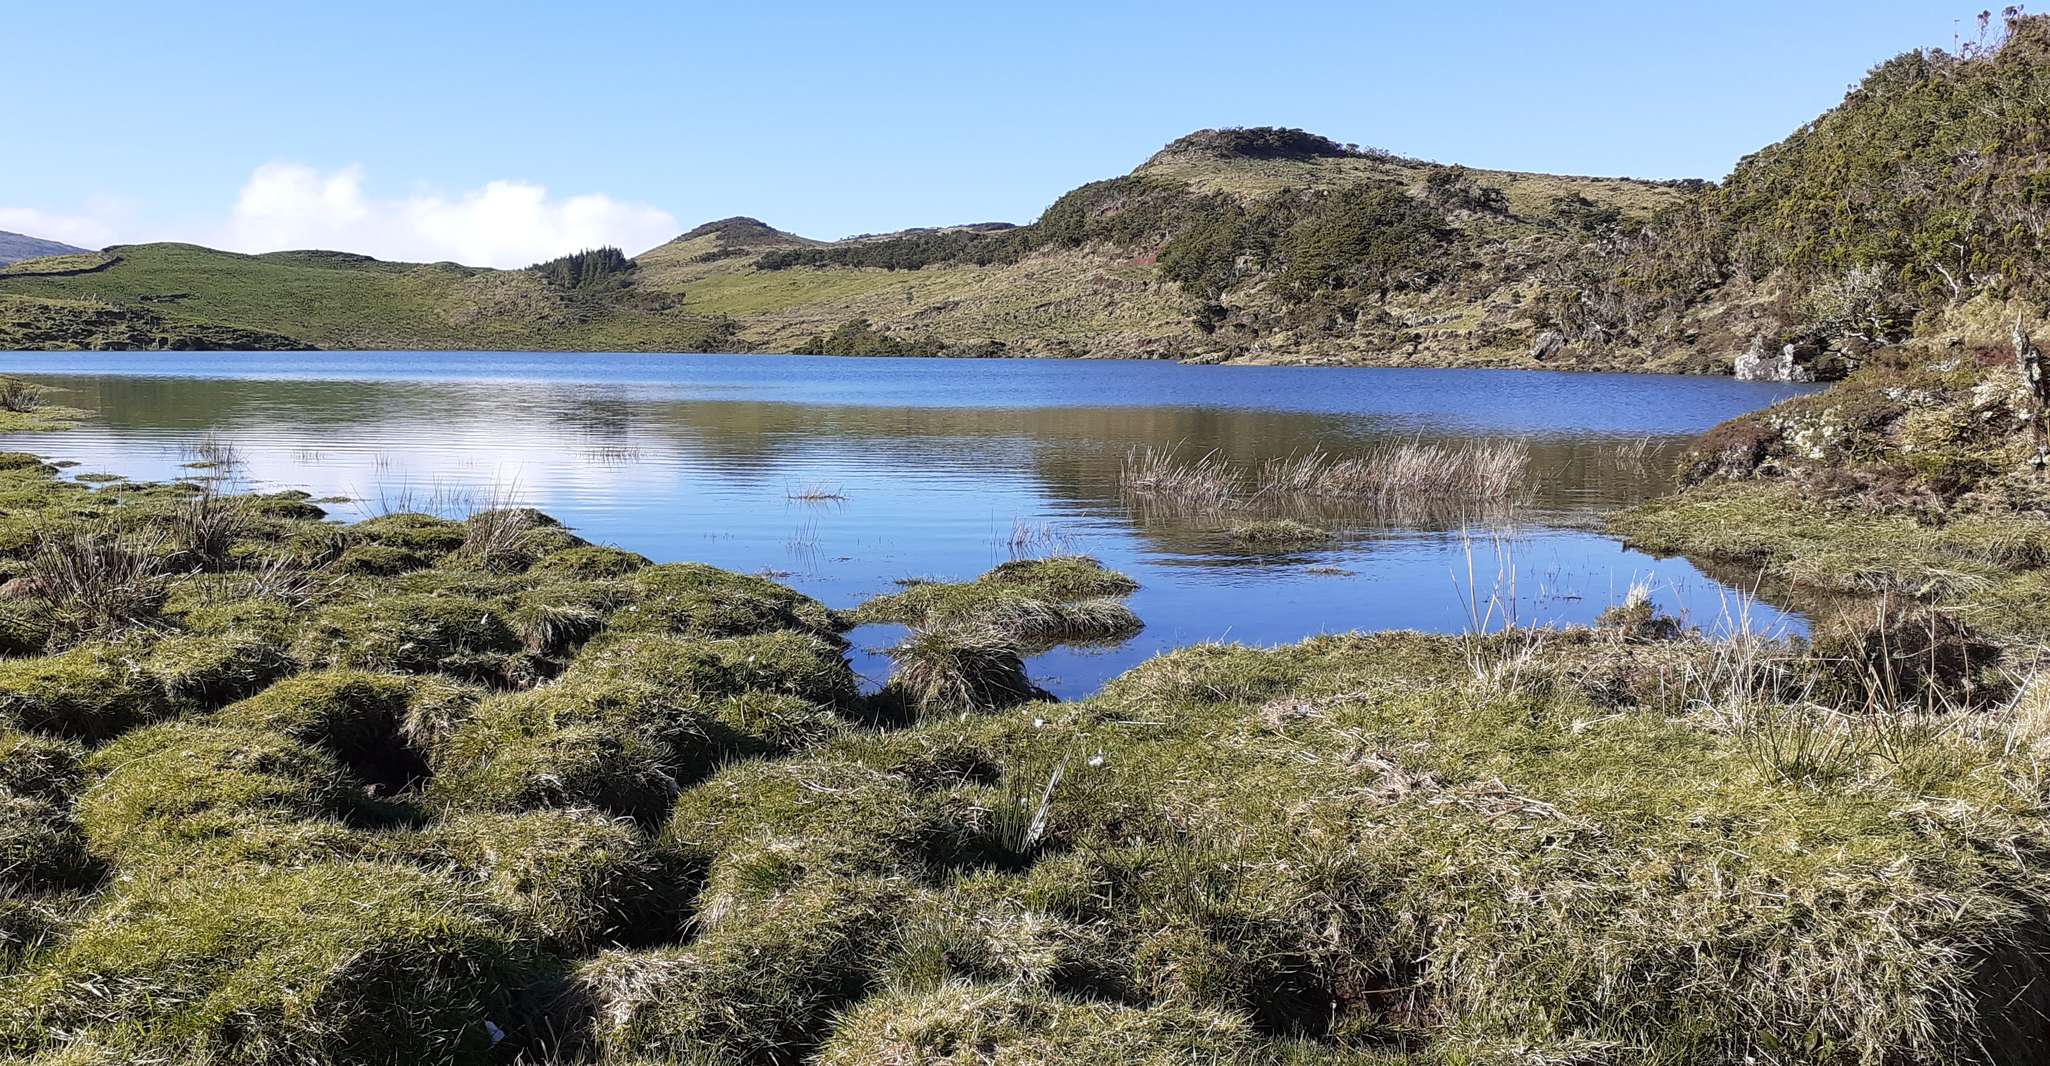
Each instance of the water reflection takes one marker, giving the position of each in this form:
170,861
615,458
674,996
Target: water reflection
935,468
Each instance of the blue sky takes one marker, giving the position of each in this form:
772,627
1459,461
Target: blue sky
494,131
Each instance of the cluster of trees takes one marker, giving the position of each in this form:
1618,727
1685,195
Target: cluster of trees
1372,237
1264,142
1127,211
593,269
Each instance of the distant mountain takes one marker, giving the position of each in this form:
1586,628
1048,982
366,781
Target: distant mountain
15,247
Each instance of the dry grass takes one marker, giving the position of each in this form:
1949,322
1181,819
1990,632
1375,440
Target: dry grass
1411,473
21,397
102,580
816,492
206,527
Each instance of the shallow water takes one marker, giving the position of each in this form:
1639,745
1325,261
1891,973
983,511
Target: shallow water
943,468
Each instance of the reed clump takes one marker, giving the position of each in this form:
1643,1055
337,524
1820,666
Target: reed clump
1409,473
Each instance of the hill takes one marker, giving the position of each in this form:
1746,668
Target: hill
15,247
1924,194
338,300
1915,209
1219,246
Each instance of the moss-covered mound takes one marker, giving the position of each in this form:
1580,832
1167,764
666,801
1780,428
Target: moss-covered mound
577,879
701,601
178,786
1038,602
329,962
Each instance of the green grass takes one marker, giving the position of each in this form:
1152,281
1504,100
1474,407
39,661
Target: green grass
346,302
544,803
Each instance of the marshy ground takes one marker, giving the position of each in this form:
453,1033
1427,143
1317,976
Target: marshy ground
278,790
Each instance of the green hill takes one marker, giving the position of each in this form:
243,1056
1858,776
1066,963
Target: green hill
1925,192
1202,252
338,300
1917,208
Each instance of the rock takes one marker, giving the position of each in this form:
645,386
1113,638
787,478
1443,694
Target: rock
1793,362
22,588
1547,345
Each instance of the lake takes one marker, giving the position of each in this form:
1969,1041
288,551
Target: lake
843,477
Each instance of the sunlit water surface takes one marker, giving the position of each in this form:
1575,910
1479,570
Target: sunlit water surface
941,469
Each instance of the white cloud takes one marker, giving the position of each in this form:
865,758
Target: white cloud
503,224
97,226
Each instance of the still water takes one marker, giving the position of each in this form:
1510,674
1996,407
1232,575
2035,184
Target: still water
841,477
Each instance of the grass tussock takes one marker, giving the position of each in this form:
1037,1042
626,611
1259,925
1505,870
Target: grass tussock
101,580
1035,603
959,669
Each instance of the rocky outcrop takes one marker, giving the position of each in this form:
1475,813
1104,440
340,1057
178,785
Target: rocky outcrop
1792,362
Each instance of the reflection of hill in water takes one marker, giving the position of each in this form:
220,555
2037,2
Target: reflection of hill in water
933,490
1076,451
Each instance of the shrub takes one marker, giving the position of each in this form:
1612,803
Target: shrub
330,962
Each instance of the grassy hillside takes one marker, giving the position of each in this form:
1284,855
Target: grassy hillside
1908,211
337,300
1189,256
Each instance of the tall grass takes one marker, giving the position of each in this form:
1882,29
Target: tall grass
21,397
206,527
959,668
1407,473
1206,482
102,580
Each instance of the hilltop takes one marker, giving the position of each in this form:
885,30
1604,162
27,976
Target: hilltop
15,247
1920,195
